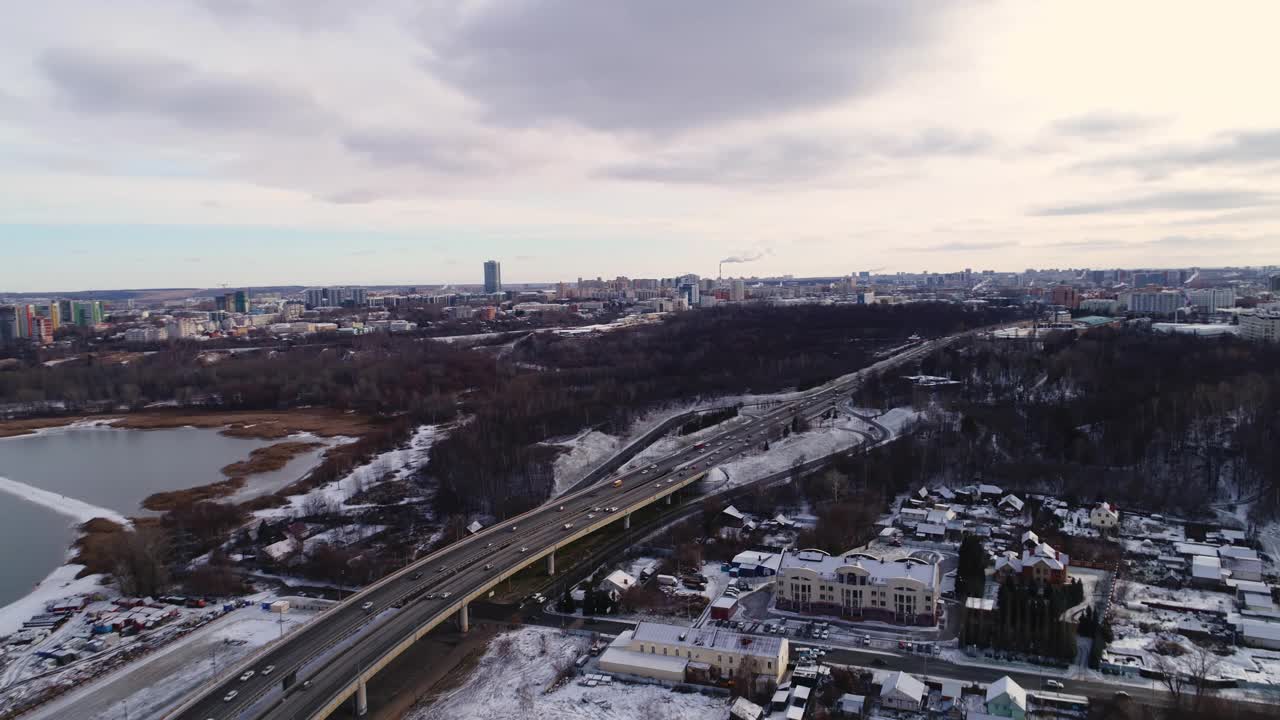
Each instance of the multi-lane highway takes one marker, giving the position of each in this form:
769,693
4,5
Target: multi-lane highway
355,639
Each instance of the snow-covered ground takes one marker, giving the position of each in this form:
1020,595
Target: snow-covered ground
397,464
77,510
790,451
59,584
161,679
515,674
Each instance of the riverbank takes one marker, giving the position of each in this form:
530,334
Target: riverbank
257,424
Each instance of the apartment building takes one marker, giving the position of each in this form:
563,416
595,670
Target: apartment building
1261,326
675,653
859,585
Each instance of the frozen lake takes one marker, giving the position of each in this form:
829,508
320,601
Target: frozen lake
109,468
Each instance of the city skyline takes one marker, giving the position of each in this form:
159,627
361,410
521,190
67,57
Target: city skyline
220,143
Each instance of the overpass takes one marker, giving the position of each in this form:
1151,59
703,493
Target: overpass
311,672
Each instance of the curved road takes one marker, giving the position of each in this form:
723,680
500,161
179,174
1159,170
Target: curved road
374,624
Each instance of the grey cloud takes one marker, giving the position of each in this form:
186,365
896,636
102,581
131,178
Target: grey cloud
100,82
778,160
968,246
669,65
1238,148
1174,200
792,157
404,147
1104,125
358,196
303,14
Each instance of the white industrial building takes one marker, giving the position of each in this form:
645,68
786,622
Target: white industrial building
669,652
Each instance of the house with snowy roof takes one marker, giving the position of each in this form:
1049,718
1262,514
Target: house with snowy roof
1103,516
901,691
1040,562
1006,698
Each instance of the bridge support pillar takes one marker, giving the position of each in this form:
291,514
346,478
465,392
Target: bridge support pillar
670,498
464,619
362,699
626,522
551,563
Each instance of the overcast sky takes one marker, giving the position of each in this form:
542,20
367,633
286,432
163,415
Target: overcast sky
252,142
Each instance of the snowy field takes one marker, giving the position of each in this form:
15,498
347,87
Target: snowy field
59,584
515,675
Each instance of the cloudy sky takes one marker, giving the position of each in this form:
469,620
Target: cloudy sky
251,142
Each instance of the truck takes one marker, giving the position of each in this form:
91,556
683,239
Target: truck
667,580
617,483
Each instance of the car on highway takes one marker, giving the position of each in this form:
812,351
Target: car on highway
442,568
644,472
367,606
560,508
591,516
488,566
416,576
524,549
230,696
245,677
513,528
657,484
488,545
431,596
268,669
445,595
617,483
568,526
1054,685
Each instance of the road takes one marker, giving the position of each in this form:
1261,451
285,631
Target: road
438,586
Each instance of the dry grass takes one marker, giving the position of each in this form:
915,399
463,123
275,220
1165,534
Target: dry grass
264,425
254,424
268,459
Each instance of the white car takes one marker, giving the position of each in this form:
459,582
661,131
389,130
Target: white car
445,595
568,526
367,606
591,516
248,674
488,566
268,669
1054,685
230,696
524,549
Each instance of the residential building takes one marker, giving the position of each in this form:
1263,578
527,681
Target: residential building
55,314
667,652
1261,326
1211,300
617,583
8,324
313,297
738,290
242,301
1006,698
1039,563
1164,302
1100,306
181,327
901,691
492,276
1103,516
41,330
144,334
857,584
1066,296
25,316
